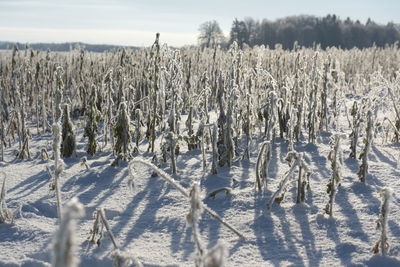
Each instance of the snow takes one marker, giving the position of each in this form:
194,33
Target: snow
150,222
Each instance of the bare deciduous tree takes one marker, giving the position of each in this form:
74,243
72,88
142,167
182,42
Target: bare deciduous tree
210,34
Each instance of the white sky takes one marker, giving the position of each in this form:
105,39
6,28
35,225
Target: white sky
135,22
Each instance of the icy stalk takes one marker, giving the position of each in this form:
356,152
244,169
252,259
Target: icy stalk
64,244
381,223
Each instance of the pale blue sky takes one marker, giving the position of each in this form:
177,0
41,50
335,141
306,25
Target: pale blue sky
135,22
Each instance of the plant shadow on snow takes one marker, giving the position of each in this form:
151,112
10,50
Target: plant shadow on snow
382,157
273,238
315,159
93,183
274,246
302,214
395,231
366,192
351,217
188,166
220,206
344,250
29,185
222,202
154,195
246,178
9,232
279,151
381,261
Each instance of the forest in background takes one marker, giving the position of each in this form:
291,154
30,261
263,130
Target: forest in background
302,30
307,31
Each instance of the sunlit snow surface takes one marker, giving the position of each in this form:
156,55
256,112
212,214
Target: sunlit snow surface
151,220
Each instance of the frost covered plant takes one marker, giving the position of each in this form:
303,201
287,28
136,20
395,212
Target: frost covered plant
355,130
108,80
336,163
226,149
96,233
138,133
363,171
193,218
216,256
23,132
295,160
270,115
155,77
397,120
303,181
58,165
201,135
279,194
58,95
262,165
214,166
381,223
324,96
171,141
313,99
183,191
226,145
84,162
2,140
64,243
303,178
192,139
92,120
122,132
119,258
124,259
43,154
5,213
68,136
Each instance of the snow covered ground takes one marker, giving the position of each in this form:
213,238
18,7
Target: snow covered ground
151,220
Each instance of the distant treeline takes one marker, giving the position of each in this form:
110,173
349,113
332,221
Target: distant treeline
59,47
310,30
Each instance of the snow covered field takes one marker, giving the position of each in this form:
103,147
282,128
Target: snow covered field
149,220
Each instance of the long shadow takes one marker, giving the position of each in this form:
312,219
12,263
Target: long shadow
316,159
247,178
344,250
301,215
220,206
365,193
155,201
394,227
137,199
112,188
352,164
92,183
187,243
394,249
273,246
274,161
382,157
332,233
30,185
352,220
33,180
190,171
